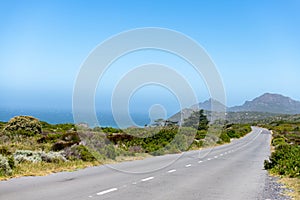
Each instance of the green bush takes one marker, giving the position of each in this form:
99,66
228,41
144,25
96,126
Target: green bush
4,150
278,141
110,151
5,168
66,140
23,125
108,130
180,142
11,162
82,152
200,134
232,134
285,160
224,138
58,128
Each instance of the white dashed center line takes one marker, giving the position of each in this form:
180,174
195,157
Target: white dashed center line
188,165
200,161
147,179
171,171
221,154
216,156
208,158
107,191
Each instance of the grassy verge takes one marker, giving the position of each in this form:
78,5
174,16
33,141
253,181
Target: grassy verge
43,168
285,157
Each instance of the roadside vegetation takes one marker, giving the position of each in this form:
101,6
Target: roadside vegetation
30,147
285,157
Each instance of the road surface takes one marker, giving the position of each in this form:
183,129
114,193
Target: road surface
232,171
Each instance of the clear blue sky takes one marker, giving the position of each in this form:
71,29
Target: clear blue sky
254,44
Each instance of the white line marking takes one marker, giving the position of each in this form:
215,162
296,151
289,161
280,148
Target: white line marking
200,161
216,156
147,179
221,154
107,191
171,171
208,158
188,165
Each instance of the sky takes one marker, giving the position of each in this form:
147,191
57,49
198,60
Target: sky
255,46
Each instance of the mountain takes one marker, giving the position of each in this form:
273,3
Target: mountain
266,106
208,104
271,103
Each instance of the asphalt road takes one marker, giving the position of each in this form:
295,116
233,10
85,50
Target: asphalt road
232,171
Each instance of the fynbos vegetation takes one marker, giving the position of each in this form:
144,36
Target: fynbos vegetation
285,160
26,144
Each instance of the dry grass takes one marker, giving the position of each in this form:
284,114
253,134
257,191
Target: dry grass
138,156
43,168
294,184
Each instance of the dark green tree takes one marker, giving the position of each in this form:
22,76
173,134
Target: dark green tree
197,120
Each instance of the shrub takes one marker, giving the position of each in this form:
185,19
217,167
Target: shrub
200,134
11,162
71,137
51,137
79,152
4,151
180,142
278,141
224,138
85,154
38,156
58,127
285,160
27,155
5,168
23,125
110,151
60,145
232,134
53,157
136,149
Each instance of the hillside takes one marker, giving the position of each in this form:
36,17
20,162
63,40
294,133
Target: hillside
211,104
272,103
263,108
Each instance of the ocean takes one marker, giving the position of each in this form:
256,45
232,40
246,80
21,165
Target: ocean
105,119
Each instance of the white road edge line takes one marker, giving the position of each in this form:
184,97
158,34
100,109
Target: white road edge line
147,179
188,165
171,171
107,191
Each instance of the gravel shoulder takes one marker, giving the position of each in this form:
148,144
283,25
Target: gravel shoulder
274,190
